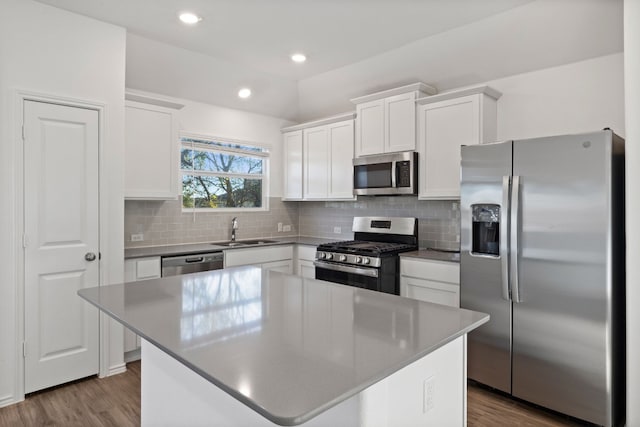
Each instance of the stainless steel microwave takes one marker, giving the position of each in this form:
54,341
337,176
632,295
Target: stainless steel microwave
386,174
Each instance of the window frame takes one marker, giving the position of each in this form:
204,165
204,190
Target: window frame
265,155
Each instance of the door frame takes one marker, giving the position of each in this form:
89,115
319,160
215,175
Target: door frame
20,97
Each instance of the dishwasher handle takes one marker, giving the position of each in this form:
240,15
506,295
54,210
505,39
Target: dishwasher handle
192,259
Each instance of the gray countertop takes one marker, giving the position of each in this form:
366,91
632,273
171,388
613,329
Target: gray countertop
194,248
300,345
433,255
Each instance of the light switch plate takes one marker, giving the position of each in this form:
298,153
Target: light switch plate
286,228
137,237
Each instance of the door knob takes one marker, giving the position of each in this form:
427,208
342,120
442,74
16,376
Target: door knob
90,256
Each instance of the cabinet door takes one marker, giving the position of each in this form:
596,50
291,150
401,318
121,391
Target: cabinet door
443,128
151,149
400,115
341,160
316,163
285,266
134,270
306,269
293,165
370,128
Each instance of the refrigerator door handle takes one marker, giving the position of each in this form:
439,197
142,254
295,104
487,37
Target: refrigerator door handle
514,246
504,237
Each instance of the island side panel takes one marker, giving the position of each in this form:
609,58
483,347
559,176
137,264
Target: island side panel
429,392
174,395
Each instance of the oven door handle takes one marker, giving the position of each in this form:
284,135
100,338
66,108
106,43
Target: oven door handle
363,271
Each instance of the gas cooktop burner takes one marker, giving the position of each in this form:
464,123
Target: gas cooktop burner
366,247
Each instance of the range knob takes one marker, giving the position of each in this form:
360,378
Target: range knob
328,256
321,255
343,258
366,261
358,259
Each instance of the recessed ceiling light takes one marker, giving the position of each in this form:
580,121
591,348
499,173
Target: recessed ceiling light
244,93
298,57
190,18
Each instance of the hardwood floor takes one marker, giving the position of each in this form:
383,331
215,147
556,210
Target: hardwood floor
107,402
115,401
487,408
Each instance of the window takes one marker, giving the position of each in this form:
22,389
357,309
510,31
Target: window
222,174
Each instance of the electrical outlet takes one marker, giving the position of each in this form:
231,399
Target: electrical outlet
458,238
337,230
286,228
137,237
429,394
454,206
279,227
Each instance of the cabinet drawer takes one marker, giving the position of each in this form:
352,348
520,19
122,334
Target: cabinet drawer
148,268
439,271
248,256
285,266
307,252
430,291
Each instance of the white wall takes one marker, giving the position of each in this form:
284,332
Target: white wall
580,97
53,52
632,104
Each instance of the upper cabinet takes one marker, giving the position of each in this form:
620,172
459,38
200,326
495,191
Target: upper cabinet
292,149
445,123
318,159
386,121
151,149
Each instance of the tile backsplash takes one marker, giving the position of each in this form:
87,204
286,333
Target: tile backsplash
438,220
164,223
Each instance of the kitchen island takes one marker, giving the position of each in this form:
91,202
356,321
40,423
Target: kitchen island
246,346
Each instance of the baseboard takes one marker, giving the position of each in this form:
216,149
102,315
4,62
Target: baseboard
117,369
8,400
132,356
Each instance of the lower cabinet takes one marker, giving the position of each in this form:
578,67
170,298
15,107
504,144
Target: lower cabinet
304,261
276,258
134,270
431,281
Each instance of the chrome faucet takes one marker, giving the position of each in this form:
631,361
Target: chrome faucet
234,227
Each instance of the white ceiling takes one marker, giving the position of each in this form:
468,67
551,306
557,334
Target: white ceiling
355,47
261,34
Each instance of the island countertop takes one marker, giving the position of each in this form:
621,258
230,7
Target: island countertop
286,346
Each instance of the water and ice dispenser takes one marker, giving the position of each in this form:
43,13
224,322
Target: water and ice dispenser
486,229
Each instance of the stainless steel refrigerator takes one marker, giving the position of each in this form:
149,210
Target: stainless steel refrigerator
542,251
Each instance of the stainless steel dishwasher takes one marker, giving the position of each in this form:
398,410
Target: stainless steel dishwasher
184,264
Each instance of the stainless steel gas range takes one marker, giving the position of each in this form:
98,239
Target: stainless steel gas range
371,260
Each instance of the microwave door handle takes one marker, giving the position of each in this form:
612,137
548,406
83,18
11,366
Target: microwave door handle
394,173
504,237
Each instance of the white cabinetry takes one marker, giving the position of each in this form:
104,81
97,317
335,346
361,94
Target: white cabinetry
328,161
386,121
276,258
134,270
151,152
318,159
445,123
292,148
430,281
306,255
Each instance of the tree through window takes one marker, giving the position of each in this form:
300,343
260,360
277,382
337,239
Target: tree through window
219,173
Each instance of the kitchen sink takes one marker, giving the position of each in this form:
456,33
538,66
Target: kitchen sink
256,242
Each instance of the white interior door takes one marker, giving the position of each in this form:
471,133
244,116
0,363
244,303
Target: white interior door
61,234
